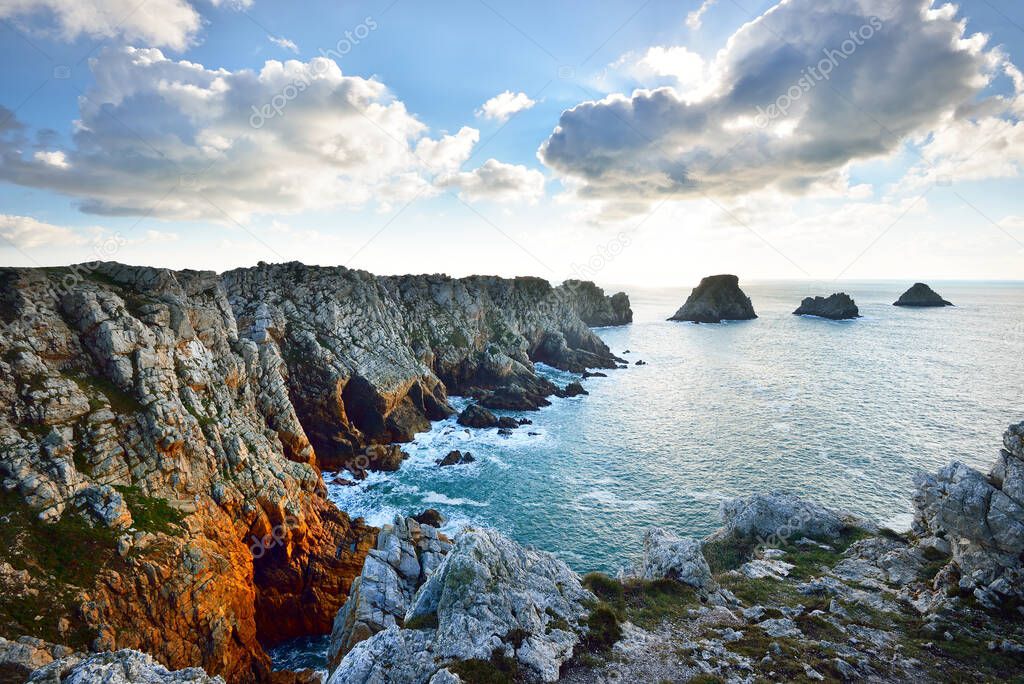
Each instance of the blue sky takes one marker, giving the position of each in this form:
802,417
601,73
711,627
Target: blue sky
904,163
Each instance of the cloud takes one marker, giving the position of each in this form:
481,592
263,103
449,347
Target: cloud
174,139
695,19
160,23
906,68
25,232
284,43
498,182
503,105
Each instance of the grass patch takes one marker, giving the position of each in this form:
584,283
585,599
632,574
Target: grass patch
603,629
497,670
120,402
64,557
648,604
151,514
427,621
728,552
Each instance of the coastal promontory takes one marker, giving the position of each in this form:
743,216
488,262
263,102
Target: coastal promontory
717,298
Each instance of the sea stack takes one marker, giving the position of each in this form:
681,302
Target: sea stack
718,298
839,306
921,295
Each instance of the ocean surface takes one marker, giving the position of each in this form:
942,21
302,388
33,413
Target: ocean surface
844,413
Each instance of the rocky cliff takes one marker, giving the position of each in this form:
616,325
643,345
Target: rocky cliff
162,435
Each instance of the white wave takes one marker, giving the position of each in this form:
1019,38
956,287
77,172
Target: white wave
443,500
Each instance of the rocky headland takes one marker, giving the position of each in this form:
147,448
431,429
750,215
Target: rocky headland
921,295
163,435
839,306
717,298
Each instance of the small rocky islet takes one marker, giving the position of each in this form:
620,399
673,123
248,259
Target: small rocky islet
921,295
717,298
839,306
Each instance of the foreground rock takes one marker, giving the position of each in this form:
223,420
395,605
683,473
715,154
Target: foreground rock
456,457
490,599
667,556
407,554
119,667
716,299
921,295
476,416
838,307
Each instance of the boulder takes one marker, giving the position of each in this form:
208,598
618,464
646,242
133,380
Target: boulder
21,657
573,389
476,416
838,306
921,295
780,517
667,556
508,423
384,457
456,457
717,298
431,517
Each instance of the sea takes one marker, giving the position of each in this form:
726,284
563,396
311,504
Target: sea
845,413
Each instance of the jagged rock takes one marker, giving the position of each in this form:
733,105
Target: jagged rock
594,307
384,457
921,295
760,568
476,416
667,556
489,594
456,457
20,658
838,306
779,516
573,389
516,398
430,517
717,298
120,667
983,520
407,554
508,423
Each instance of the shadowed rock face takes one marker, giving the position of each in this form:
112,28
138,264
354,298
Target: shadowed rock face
594,308
717,298
838,307
921,295
187,416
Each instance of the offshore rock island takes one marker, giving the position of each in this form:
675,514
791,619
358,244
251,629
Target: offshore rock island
717,298
163,435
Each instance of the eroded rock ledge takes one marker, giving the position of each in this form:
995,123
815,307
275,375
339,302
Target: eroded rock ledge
163,432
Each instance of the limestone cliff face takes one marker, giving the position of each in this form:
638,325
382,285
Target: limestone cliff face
372,359
161,435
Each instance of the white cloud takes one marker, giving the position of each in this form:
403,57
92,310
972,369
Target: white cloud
695,19
498,182
503,105
174,139
913,69
161,23
26,232
52,158
284,43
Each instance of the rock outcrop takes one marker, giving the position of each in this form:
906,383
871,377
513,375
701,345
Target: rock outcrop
981,520
921,295
839,306
594,308
118,667
476,416
717,298
490,598
456,457
780,515
164,431
667,556
407,554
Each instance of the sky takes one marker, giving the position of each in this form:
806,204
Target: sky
642,142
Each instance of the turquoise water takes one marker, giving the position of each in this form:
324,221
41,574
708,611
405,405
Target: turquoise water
841,412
